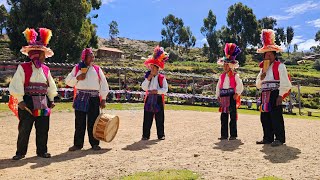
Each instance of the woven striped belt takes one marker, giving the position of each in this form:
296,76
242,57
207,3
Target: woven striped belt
91,93
226,92
270,85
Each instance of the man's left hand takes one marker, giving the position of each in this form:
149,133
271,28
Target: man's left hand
235,96
154,91
52,105
279,101
103,104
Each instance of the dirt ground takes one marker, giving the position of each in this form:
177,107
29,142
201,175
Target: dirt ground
191,143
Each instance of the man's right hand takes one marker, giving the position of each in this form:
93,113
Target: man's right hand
150,77
262,76
81,77
22,105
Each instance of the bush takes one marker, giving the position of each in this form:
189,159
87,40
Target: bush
311,103
316,64
173,55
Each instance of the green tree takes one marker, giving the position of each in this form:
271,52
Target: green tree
317,38
280,36
208,30
3,18
170,32
71,27
267,23
94,38
225,36
243,27
113,29
205,50
316,49
264,23
295,48
290,34
186,38
316,64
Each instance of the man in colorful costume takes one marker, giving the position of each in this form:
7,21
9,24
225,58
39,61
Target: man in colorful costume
274,83
156,86
91,90
228,91
33,89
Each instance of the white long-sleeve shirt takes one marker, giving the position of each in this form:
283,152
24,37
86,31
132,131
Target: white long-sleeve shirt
16,87
91,82
285,84
154,85
226,85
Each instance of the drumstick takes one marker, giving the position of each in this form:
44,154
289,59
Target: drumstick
27,109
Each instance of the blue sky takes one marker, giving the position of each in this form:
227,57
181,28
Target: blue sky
141,19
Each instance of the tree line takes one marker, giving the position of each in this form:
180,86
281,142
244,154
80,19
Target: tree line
73,29
242,28
69,20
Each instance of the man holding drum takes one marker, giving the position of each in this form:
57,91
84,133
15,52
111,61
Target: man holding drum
155,85
274,83
91,89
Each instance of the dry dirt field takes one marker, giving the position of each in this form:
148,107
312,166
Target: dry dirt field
191,143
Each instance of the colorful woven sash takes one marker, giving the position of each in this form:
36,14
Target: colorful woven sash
151,104
81,102
225,95
267,88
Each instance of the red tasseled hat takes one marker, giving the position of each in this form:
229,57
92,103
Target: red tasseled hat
159,58
268,40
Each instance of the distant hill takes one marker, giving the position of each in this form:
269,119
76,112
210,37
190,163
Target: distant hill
129,46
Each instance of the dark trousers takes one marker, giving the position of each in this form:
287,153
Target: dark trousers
82,118
233,120
272,122
148,119
25,127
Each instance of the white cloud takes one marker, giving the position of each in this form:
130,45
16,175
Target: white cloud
200,41
4,2
306,45
204,40
303,45
296,26
279,17
315,23
302,8
297,40
155,1
107,1
284,47
297,9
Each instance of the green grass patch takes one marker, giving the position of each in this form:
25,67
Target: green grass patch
163,175
307,89
269,178
4,108
67,107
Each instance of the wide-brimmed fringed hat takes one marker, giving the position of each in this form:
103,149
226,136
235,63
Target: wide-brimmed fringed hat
231,51
34,45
